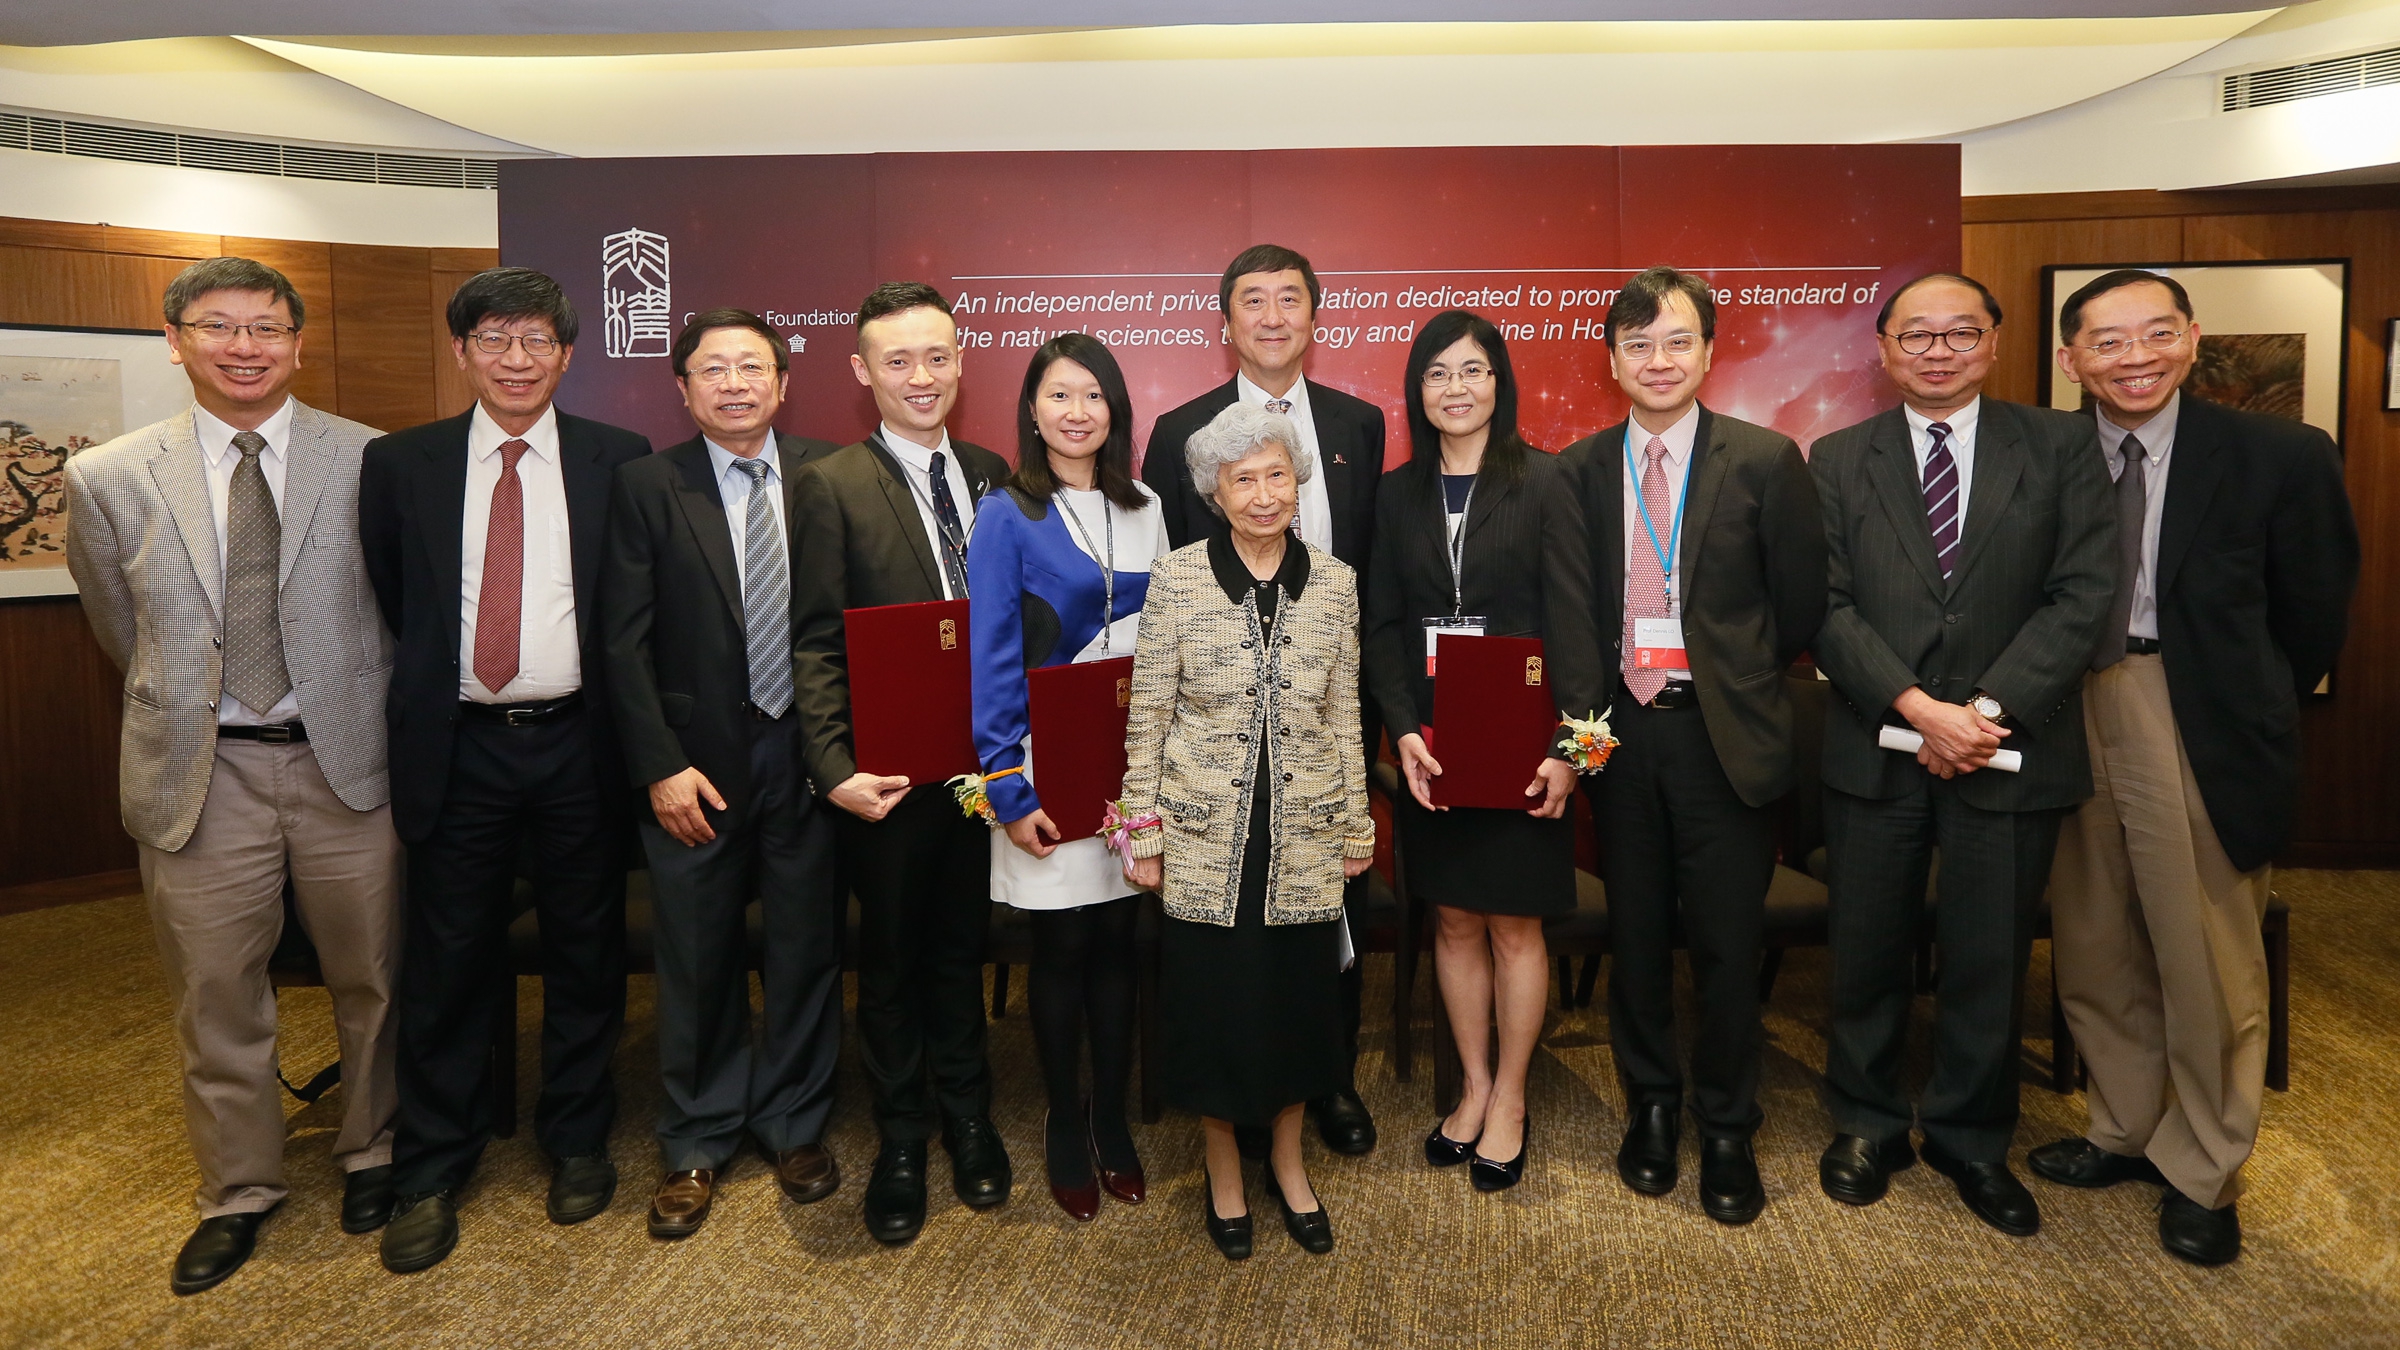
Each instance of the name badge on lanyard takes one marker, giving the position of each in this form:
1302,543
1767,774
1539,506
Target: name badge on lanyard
1460,625
1658,644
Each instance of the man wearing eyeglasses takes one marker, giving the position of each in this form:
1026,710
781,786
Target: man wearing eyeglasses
1972,557
2238,556
1708,567
1269,296
218,559
483,535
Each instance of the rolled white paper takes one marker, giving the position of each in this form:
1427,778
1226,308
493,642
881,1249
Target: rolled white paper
1901,738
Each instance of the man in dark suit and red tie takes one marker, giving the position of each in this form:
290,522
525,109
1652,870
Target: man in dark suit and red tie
1269,295
483,534
2237,559
1972,553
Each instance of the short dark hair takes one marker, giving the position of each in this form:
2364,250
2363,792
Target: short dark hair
2070,314
230,274
895,297
511,293
1268,258
708,321
1115,477
1644,297
1504,450
1991,305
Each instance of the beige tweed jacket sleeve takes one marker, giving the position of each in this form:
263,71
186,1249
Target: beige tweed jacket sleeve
142,545
1216,706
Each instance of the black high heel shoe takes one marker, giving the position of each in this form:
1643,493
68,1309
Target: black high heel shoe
1499,1176
1443,1151
1234,1237
1313,1230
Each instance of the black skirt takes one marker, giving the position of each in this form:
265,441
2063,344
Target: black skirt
1249,1016
1490,861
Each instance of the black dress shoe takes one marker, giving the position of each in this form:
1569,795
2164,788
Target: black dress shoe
1489,1175
1729,1189
895,1206
1646,1160
581,1187
1313,1230
979,1169
367,1197
423,1230
216,1249
2080,1162
2191,1231
1254,1141
1990,1190
1443,1151
1234,1237
1856,1170
1343,1121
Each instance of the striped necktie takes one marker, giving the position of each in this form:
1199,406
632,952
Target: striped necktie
1941,496
766,598
254,668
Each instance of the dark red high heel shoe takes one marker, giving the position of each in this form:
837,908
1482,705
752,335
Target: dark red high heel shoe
1126,1186
1082,1203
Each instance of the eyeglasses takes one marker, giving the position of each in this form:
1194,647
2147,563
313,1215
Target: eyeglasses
492,342
2117,349
217,332
1918,341
1473,372
1640,349
752,372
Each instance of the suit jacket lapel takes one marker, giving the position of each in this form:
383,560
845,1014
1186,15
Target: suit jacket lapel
444,510
1999,462
1489,494
307,463
2196,465
1337,448
1701,481
1892,466
587,483
903,501
704,511
1607,528
182,479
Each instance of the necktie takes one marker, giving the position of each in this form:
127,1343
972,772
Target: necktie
1941,496
1646,581
766,598
2133,501
254,668
500,601
945,514
1279,405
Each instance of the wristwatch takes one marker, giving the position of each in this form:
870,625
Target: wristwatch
1988,708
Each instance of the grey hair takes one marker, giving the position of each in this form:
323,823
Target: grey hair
1234,435
230,274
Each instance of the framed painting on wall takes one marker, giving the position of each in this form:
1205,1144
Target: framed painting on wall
2274,335
63,391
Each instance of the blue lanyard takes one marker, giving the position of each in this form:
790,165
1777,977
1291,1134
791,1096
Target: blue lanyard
1666,556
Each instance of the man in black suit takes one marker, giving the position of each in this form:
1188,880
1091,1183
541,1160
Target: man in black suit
2238,556
483,535
1972,554
697,598
885,522
1269,295
1708,566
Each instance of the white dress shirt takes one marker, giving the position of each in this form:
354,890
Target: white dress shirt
733,489
918,461
1678,469
221,459
1316,506
1962,423
2158,444
549,656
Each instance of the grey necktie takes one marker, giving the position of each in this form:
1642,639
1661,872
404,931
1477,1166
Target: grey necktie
766,598
254,668
2133,501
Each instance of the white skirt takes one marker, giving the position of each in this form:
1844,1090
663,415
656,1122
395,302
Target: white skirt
1078,872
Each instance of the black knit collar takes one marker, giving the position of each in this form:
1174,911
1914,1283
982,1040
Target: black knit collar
1234,575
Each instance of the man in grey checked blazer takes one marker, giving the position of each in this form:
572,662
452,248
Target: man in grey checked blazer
218,557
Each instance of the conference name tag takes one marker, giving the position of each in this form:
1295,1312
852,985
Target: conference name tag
1658,644
1459,625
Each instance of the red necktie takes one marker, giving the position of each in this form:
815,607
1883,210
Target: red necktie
500,605
1646,581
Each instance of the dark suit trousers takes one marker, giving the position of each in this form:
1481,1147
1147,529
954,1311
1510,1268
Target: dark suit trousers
1995,865
779,852
923,877
527,798
1681,850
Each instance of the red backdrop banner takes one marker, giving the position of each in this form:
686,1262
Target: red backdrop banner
1800,243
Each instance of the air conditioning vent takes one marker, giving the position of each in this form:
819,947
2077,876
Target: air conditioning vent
142,145
2312,79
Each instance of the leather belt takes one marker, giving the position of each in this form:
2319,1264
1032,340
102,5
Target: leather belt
274,733
1673,695
2141,646
521,714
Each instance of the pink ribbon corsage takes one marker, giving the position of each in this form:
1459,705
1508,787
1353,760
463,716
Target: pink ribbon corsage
1586,742
1116,828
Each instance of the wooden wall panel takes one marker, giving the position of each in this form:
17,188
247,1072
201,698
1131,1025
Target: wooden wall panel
309,267
58,722
383,297
452,394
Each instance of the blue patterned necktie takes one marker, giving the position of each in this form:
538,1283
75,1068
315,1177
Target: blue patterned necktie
954,534
766,598
1941,496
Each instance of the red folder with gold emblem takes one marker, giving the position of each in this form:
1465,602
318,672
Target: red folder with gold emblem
1077,715
1493,705
910,690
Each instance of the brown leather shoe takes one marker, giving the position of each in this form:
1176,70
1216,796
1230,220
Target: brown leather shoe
681,1204
808,1172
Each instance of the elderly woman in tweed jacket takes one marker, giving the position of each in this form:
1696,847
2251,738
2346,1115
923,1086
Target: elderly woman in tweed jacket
1242,768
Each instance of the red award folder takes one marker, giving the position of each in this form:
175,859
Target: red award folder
1492,704
910,690
1077,715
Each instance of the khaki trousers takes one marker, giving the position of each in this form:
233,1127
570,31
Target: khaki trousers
2160,964
216,905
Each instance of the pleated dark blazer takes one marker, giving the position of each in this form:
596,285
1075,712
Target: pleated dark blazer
1349,437
2017,617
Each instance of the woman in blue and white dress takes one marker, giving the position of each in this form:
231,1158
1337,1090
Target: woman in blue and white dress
1059,567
